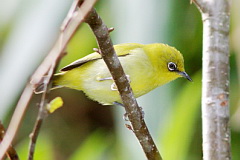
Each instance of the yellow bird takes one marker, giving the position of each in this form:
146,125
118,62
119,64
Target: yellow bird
146,66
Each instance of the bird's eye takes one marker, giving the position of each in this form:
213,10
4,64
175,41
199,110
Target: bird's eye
172,66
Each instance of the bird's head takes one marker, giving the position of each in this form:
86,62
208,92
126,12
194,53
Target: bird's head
168,61
178,71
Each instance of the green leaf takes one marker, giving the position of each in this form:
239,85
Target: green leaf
54,104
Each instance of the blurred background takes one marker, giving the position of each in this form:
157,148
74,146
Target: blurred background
83,129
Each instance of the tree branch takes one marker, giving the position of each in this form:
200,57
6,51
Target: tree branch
132,109
69,22
16,119
11,152
215,83
70,25
42,113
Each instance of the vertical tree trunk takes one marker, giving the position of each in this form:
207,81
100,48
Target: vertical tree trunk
215,82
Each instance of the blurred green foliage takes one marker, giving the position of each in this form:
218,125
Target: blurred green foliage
96,142
43,149
179,147
83,129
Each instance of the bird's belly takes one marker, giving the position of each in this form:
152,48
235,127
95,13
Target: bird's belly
98,89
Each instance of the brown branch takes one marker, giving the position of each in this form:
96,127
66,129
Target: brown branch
11,152
74,18
200,5
215,82
42,113
70,26
132,109
16,119
69,21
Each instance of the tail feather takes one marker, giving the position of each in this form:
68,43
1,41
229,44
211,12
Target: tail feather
39,89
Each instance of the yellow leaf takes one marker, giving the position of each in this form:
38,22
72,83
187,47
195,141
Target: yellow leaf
54,104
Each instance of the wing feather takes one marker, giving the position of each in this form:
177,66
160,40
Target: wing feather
121,50
79,62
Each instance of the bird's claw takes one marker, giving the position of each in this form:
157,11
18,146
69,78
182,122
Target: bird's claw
114,87
125,117
142,112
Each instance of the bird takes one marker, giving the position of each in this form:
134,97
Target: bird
147,66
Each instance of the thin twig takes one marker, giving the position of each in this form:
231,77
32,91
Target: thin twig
132,109
42,110
203,6
54,55
69,27
11,152
42,113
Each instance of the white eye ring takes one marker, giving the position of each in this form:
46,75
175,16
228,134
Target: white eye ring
172,66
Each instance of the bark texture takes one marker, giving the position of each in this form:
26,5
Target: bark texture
215,81
133,111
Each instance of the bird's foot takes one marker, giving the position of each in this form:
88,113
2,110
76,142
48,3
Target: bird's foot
125,115
106,78
113,86
142,112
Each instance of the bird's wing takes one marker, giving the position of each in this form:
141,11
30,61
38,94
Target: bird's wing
79,62
121,50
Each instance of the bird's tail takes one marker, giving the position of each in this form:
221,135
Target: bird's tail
39,89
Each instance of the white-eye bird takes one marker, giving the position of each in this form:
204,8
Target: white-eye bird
146,65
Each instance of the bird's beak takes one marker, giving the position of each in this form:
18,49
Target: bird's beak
185,75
